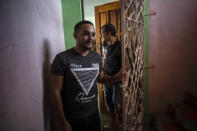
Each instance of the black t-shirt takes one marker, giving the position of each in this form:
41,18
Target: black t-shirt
79,93
112,57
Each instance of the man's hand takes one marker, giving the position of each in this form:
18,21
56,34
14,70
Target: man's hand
68,127
65,127
121,75
109,80
125,79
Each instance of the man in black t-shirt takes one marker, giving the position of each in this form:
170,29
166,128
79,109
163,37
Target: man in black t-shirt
112,65
74,77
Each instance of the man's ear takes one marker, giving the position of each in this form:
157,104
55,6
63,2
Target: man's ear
110,33
75,35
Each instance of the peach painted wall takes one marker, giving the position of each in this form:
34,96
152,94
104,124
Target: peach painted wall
173,49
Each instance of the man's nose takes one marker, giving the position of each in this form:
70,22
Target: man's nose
90,37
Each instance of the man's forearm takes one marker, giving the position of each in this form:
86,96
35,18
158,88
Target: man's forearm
57,107
109,80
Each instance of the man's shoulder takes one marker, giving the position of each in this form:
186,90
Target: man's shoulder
94,53
118,43
64,53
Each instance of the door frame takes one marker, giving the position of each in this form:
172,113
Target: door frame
99,9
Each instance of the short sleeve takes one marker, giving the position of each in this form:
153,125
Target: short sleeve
100,64
119,54
58,66
119,50
99,60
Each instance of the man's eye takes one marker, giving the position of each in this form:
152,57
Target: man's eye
85,33
93,34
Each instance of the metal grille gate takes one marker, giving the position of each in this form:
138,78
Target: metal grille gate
132,35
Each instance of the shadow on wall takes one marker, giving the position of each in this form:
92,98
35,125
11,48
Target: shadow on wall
48,117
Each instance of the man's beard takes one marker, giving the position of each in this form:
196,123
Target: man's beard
82,46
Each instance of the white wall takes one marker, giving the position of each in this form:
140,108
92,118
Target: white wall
31,33
89,8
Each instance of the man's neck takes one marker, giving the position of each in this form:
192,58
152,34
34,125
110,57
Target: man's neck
81,51
112,40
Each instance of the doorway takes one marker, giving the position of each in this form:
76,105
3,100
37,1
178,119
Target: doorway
107,13
128,18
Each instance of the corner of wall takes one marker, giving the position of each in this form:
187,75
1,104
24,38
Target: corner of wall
146,41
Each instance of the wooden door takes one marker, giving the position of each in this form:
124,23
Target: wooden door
107,13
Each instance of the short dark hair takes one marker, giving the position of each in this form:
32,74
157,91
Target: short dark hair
78,25
109,28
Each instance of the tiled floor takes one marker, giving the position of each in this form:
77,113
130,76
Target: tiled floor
105,119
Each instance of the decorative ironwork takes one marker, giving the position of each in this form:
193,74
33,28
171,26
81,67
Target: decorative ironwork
132,35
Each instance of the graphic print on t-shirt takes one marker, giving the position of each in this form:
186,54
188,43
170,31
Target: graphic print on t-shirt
85,77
